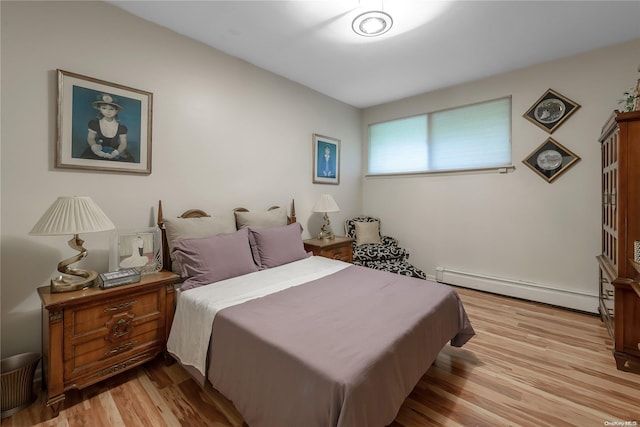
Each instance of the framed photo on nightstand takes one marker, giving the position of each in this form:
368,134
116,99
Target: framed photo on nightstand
137,249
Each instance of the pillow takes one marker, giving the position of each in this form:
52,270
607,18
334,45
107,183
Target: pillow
277,245
367,232
211,259
273,218
187,228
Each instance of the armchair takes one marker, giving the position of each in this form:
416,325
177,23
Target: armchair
373,250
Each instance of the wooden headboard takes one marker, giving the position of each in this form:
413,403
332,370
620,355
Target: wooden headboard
199,213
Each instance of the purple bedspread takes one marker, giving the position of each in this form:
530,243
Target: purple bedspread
344,350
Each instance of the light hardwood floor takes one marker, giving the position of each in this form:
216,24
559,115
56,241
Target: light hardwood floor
528,365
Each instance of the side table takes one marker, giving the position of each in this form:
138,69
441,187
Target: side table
339,247
93,334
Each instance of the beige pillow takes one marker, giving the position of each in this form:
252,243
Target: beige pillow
367,232
273,218
190,228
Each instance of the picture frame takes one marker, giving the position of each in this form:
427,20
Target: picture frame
140,249
326,160
102,126
551,110
550,160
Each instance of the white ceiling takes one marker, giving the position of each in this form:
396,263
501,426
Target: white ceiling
432,44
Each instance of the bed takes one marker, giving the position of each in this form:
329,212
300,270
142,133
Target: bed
293,339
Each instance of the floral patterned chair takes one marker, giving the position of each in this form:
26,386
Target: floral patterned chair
372,249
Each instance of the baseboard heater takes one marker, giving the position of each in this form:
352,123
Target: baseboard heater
520,289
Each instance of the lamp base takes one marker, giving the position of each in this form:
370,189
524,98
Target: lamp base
73,278
325,231
79,279
326,235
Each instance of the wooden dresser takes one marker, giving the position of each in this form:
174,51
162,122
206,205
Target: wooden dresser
338,248
93,334
619,291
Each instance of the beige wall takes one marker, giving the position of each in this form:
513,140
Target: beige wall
225,134
515,227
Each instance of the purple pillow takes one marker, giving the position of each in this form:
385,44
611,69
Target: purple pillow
211,259
277,245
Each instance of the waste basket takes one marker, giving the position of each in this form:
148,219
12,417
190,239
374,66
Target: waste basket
17,382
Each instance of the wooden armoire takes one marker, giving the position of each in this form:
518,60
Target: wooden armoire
619,286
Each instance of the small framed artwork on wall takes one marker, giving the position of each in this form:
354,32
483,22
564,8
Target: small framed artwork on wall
551,110
326,160
551,159
102,126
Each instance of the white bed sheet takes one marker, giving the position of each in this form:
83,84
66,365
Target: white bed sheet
196,308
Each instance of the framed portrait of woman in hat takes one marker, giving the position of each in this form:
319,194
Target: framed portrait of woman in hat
102,126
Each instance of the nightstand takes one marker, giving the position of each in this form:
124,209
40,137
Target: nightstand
93,334
338,248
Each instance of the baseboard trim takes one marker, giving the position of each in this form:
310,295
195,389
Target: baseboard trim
574,300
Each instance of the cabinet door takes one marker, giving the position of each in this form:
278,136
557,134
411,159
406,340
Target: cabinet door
610,179
628,340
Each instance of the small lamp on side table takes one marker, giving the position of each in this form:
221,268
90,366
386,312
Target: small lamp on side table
72,215
326,204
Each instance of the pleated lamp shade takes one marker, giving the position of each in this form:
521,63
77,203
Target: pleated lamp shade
325,204
72,215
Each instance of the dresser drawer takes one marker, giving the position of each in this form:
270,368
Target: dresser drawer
86,355
103,372
339,248
342,253
92,319
109,331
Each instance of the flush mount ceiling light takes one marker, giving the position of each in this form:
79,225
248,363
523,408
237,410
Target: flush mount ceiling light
372,23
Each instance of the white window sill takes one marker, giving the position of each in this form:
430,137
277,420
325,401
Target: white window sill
495,169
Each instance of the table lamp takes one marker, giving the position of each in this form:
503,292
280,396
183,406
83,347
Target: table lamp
72,215
326,204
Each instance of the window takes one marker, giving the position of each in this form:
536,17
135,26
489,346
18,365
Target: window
471,137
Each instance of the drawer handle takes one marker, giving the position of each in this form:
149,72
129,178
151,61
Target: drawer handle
120,348
120,366
121,328
610,311
120,306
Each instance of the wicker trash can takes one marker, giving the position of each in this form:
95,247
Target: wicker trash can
17,382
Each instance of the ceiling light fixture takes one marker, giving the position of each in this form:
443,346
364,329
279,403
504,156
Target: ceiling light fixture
372,23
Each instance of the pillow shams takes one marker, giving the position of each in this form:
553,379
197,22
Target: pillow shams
188,228
273,218
277,245
206,260
367,232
